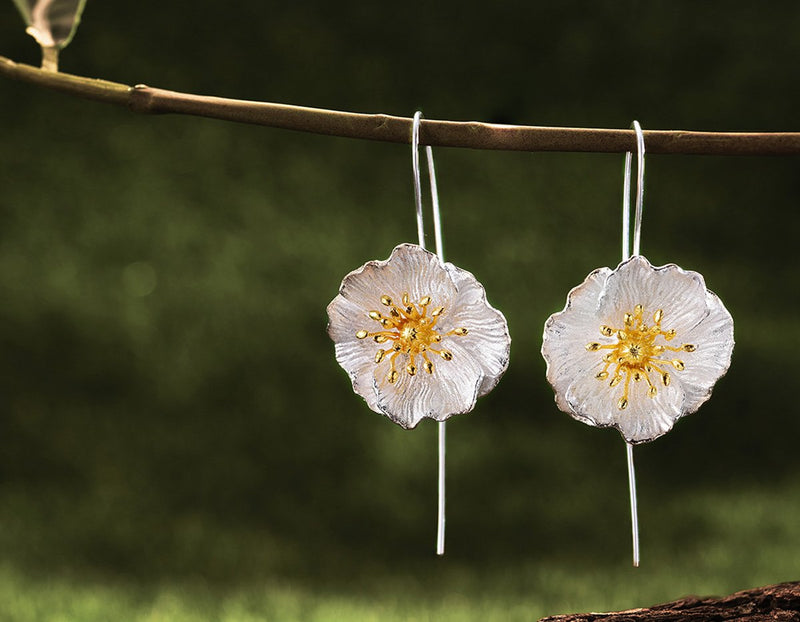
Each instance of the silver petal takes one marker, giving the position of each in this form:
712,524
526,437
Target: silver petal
479,358
698,317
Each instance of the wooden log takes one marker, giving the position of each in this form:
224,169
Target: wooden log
773,603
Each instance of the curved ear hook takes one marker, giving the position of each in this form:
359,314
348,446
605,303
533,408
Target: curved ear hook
437,220
637,238
626,199
437,231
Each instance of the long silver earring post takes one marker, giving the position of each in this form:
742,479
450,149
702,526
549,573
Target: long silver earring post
626,246
437,231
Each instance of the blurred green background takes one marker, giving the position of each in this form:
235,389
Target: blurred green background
177,441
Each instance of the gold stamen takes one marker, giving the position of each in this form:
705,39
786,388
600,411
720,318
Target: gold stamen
410,331
628,319
623,401
636,354
651,390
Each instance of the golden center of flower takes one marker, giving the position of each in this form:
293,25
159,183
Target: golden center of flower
636,354
410,328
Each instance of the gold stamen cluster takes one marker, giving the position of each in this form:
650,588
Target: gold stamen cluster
636,354
411,329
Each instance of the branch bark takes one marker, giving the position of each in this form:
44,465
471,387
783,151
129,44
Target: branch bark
381,127
772,603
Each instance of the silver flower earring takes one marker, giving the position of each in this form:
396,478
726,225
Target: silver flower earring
638,347
416,335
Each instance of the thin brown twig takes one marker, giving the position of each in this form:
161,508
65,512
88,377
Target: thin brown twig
381,127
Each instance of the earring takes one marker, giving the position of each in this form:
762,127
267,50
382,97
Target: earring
416,335
638,347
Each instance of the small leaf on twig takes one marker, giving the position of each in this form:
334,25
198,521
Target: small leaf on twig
52,23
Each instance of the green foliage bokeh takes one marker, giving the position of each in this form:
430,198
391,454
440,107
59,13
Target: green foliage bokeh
170,408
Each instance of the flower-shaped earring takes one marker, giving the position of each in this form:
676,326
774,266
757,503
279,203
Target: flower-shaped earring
638,347
416,335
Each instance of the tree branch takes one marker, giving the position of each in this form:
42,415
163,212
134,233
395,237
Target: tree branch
381,127
769,603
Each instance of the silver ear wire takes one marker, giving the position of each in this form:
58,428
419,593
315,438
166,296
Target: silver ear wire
415,172
437,231
626,245
626,197
437,220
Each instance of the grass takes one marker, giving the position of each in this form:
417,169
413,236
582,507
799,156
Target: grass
756,540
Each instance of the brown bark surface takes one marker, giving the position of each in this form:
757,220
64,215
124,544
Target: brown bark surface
773,603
